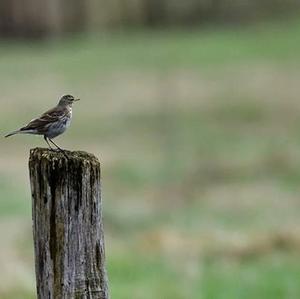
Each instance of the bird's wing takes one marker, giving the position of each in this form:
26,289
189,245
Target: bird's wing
45,119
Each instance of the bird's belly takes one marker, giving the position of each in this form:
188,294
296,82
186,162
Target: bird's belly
58,128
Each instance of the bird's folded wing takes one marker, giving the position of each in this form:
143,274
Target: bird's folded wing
46,119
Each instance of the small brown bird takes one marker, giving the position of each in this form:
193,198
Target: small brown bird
52,123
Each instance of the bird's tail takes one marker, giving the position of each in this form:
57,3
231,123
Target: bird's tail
12,133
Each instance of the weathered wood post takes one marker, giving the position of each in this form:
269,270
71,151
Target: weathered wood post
67,225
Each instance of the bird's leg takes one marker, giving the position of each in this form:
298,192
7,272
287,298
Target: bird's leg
55,144
48,142
60,149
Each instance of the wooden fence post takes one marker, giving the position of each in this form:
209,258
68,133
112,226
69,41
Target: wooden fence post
67,225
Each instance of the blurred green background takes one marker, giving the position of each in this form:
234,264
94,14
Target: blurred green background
193,110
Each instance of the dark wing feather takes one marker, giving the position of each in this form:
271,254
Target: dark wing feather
41,124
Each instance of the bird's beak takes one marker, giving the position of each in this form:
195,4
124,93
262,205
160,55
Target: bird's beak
76,100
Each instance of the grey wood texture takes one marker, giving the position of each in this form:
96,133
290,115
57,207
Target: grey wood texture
67,225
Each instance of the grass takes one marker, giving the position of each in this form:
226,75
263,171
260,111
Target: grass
272,277
207,49
198,136
12,201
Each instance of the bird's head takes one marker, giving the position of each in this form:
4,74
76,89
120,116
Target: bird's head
67,100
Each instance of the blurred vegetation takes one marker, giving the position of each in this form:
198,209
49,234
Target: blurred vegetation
198,136
49,18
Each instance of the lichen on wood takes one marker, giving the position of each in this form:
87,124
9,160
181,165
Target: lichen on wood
67,225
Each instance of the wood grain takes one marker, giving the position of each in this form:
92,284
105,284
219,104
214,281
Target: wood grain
67,225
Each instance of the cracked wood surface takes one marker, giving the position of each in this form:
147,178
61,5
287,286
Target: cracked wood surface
67,225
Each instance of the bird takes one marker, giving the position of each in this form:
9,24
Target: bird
52,123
